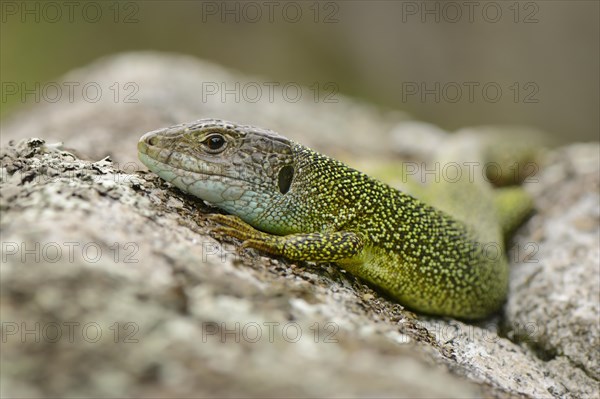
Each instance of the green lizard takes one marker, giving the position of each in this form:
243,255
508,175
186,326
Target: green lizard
286,199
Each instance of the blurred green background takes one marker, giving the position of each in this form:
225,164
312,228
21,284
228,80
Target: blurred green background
543,55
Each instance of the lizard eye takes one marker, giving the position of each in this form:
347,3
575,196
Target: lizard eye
215,143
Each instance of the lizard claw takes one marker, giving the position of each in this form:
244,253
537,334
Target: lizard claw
230,232
226,220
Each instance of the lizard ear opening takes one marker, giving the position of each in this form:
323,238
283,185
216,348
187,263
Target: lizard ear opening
286,174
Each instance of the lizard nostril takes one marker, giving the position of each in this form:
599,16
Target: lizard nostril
153,140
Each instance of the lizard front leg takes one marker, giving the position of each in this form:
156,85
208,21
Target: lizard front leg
314,247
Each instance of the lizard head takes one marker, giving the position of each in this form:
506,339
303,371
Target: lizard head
238,168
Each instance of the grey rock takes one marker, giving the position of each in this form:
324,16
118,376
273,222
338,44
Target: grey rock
554,306
122,253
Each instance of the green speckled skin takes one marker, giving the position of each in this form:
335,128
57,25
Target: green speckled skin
438,260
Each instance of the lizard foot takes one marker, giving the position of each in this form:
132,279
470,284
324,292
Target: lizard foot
233,226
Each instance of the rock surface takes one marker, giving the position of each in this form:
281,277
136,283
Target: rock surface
111,285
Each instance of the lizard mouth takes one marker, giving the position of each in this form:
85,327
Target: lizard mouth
162,162
211,187
163,167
